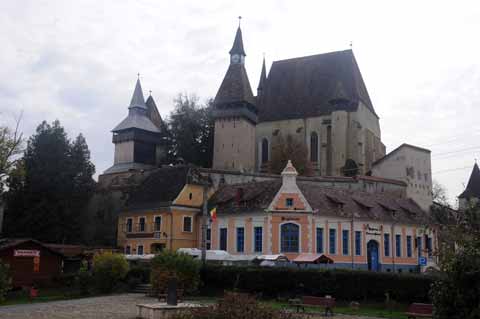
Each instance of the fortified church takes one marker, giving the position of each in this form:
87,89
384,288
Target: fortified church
373,218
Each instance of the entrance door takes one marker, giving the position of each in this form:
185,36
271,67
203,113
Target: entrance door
372,255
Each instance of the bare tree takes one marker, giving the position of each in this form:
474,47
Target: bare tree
284,149
439,194
11,146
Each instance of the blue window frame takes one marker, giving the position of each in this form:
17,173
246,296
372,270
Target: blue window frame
429,246
290,236
289,202
333,241
209,239
319,240
386,244
398,246
223,239
409,246
345,241
419,246
258,239
240,239
358,243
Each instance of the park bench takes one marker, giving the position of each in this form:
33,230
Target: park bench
423,310
328,303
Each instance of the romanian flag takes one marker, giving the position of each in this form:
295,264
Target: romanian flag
213,214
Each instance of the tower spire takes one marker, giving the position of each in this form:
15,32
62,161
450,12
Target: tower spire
237,48
263,77
137,98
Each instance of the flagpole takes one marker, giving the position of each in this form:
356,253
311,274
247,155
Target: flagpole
204,223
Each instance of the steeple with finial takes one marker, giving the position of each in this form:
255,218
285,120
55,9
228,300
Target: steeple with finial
237,52
263,78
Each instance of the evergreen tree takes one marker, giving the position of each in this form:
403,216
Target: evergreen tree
46,202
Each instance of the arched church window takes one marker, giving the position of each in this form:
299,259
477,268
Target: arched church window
314,147
290,238
265,150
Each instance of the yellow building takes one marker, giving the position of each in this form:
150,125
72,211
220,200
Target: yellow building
163,213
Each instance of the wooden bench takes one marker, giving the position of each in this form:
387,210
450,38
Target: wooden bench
327,303
423,310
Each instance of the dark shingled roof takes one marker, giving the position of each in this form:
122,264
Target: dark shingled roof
305,87
325,200
235,86
473,187
159,189
237,47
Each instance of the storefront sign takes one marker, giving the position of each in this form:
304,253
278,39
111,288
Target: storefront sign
290,218
26,253
373,231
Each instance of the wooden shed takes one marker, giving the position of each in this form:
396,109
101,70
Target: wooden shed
31,262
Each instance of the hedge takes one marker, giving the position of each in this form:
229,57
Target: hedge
342,284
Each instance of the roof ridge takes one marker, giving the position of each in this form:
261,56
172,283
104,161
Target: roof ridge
313,55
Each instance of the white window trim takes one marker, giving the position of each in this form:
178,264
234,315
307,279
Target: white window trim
139,231
253,238
299,237
143,249
183,224
126,223
155,225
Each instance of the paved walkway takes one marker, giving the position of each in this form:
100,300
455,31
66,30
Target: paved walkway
109,307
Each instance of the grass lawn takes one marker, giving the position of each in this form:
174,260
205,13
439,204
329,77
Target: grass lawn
368,310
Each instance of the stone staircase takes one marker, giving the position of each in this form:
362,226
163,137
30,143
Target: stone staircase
142,289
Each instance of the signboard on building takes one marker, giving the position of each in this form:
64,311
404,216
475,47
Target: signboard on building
26,253
422,261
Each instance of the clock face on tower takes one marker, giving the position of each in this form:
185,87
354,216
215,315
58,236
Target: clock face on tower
235,58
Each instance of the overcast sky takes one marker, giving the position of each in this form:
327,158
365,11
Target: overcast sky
77,61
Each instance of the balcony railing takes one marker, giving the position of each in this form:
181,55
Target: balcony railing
141,228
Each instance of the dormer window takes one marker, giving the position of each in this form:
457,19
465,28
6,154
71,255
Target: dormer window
289,202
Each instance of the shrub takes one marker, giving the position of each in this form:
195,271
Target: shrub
342,284
457,293
5,280
235,306
108,270
174,265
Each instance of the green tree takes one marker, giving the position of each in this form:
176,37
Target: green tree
191,131
5,280
457,293
181,266
108,270
51,187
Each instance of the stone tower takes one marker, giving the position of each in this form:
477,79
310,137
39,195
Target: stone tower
235,115
138,138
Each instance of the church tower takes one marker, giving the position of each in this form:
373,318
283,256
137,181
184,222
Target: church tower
235,115
471,195
138,138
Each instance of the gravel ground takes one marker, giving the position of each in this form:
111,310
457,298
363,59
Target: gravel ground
109,307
